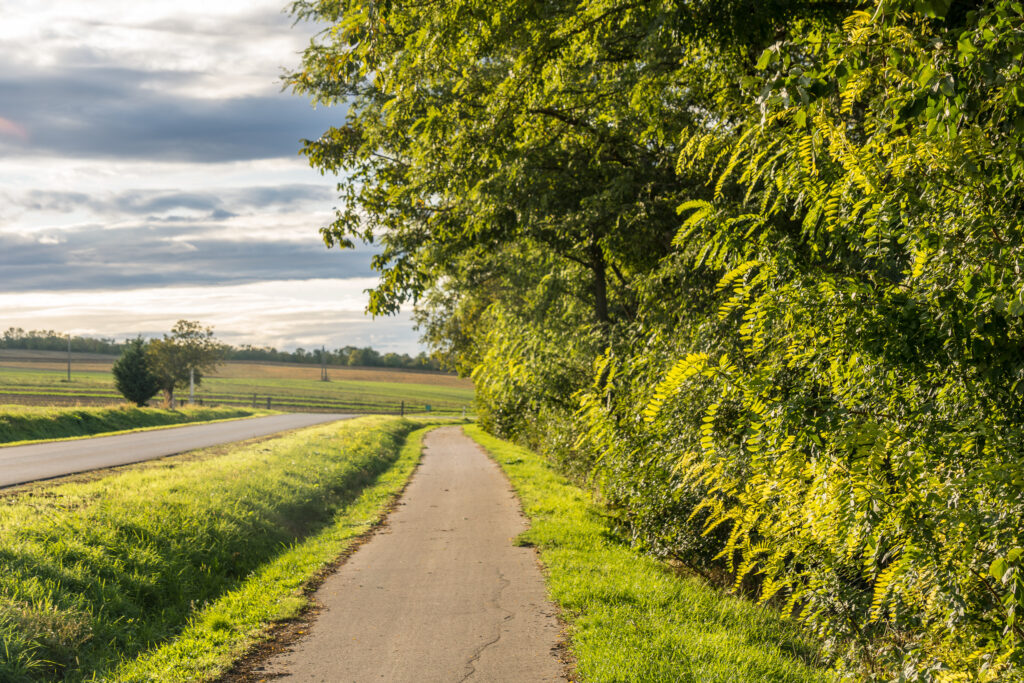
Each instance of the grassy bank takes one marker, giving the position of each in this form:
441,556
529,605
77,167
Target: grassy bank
106,575
632,618
31,423
226,628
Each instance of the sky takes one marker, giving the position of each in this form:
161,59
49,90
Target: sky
149,172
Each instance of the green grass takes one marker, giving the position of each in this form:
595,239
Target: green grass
19,424
226,628
632,618
98,574
290,392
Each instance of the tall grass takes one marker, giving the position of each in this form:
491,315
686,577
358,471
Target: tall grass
97,572
27,423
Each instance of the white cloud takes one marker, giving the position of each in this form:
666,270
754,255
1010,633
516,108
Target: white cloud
232,48
283,314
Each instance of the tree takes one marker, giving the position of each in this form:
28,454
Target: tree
181,358
765,258
132,374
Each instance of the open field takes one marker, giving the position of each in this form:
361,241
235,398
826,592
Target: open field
40,377
631,618
165,571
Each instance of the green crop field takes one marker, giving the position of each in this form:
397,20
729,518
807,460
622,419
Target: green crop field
41,378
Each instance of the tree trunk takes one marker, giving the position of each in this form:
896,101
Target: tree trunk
599,268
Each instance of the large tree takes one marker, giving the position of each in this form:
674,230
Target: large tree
821,355
181,358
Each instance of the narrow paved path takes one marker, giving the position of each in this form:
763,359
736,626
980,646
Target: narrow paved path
439,595
20,464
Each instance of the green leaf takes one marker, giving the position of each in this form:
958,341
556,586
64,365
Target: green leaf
926,76
998,568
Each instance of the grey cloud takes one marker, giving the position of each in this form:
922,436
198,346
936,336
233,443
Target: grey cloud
225,203
93,258
112,112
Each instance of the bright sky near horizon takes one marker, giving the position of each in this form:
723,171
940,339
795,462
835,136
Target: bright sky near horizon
149,172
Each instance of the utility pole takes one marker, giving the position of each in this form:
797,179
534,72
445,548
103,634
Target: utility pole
323,364
191,385
69,356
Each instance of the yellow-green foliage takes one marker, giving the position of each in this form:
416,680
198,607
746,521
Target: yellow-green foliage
28,423
98,572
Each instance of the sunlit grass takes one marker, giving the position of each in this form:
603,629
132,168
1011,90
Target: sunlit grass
32,423
97,573
632,618
218,634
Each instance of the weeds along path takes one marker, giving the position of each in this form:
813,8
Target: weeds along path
21,464
442,594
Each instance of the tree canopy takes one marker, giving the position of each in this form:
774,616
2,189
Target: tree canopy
752,267
183,356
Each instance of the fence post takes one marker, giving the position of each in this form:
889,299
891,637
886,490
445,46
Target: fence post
254,400
401,411
268,403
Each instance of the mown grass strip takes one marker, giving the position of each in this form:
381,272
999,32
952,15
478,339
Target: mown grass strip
225,629
632,618
24,424
98,573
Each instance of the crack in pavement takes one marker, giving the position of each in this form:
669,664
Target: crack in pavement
496,601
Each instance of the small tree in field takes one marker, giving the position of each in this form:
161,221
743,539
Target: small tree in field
182,357
132,375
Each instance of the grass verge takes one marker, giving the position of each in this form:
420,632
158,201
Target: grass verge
100,577
225,630
25,424
632,618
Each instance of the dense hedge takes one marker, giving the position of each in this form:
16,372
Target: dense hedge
754,267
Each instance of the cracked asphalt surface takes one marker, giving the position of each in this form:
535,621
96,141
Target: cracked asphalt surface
440,594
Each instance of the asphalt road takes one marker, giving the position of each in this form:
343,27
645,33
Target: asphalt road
440,594
21,464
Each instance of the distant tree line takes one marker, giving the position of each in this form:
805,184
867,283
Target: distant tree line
347,355
51,340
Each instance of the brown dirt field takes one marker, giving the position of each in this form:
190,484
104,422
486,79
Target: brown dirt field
244,369
88,362
76,365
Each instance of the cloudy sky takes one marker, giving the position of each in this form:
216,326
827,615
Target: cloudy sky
149,172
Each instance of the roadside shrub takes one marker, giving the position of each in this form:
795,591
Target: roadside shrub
132,374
